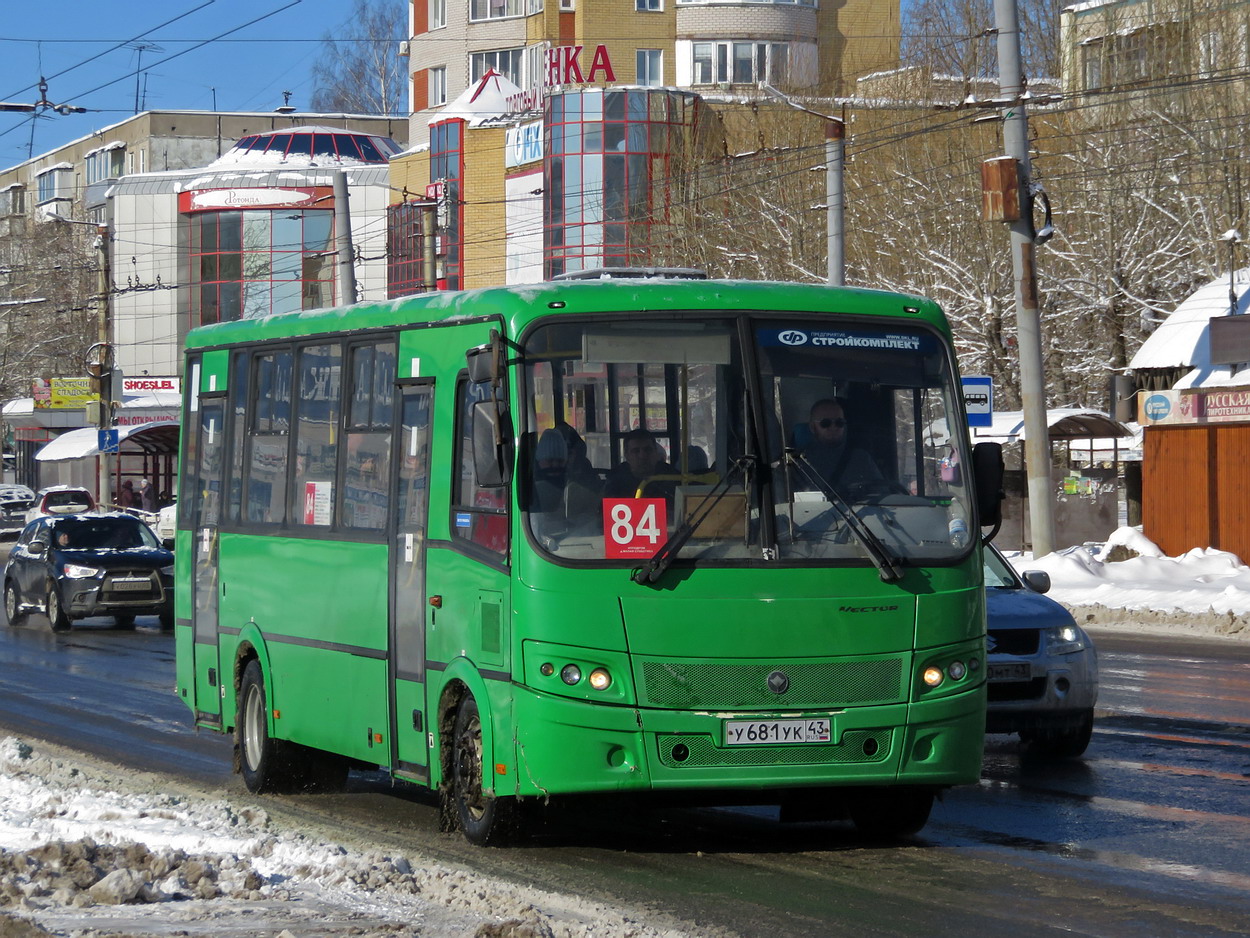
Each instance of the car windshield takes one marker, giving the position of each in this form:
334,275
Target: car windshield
777,436
103,533
997,571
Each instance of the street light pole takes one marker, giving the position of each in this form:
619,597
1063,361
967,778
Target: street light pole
835,152
1233,237
1028,314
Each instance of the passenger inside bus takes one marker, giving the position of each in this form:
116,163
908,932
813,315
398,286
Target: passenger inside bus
829,452
564,493
643,459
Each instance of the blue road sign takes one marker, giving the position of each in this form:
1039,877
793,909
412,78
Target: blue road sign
108,441
979,400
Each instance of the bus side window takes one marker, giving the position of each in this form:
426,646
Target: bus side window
479,514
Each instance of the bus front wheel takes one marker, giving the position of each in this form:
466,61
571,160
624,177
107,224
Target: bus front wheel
889,813
486,820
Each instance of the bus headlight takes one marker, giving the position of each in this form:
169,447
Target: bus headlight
600,679
570,674
932,676
956,670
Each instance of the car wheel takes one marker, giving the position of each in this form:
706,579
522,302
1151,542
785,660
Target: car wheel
167,620
485,819
1066,743
124,621
13,604
888,813
56,612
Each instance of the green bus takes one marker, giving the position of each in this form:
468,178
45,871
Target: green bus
590,536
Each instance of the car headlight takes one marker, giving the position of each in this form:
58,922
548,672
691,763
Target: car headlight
1065,640
76,572
167,571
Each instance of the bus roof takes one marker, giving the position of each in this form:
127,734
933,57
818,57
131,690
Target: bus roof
519,305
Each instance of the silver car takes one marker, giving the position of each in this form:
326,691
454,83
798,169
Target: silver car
1042,667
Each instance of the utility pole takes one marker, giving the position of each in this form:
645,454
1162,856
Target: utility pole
104,278
343,240
835,135
1037,457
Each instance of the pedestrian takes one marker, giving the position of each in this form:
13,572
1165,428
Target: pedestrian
147,496
126,497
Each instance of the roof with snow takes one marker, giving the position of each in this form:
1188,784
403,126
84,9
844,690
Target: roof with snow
484,100
309,146
1064,423
1183,339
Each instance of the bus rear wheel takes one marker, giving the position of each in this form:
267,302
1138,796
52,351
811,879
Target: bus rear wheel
888,813
274,765
485,819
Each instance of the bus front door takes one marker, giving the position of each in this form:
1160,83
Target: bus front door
206,514
409,724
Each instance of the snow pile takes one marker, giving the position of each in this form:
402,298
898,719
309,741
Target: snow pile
1129,579
80,847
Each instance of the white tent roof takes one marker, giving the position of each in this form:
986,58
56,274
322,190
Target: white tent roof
84,442
1183,339
1065,423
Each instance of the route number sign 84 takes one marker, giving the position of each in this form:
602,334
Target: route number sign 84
633,527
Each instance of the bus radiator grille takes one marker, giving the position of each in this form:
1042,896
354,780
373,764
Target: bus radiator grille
704,752
813,685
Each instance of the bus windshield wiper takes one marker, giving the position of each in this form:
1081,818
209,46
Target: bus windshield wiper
887,564
663,558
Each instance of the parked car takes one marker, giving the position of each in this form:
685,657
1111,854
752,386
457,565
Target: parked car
74,566
166,521
1042,667
60,500
15,500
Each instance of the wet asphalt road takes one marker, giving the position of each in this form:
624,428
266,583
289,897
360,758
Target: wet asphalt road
1146,835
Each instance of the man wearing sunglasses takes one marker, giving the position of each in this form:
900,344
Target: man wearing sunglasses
837,462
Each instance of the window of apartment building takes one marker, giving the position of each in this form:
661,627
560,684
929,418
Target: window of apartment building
649,67
438,14
54,184
438,86
13,200
495,9
567,5
105,164
507,62
740,62
649,6
533,6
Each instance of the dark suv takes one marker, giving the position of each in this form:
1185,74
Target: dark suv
75,566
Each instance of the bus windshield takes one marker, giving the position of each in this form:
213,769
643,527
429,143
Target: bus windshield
799,440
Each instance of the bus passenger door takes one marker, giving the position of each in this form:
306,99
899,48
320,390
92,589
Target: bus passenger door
206,514
410,729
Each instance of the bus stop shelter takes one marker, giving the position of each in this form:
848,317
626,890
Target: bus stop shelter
1095,474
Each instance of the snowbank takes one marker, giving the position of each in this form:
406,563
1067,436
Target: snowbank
84,849
1128,582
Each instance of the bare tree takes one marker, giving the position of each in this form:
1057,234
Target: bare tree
362,74
48,303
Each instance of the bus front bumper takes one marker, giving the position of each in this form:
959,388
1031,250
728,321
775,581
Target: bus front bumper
579,747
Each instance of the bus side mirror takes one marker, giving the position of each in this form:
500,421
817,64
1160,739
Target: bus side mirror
487,362
490,457
987,471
